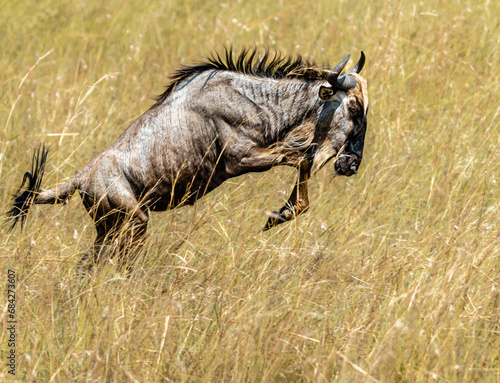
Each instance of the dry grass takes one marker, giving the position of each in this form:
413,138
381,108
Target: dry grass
392,275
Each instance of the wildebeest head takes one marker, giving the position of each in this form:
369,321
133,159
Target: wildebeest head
343,119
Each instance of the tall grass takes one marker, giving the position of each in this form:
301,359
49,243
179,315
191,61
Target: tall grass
392,275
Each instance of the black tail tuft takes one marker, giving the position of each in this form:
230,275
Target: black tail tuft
23,201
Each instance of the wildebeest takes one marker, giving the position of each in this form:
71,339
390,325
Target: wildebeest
226,116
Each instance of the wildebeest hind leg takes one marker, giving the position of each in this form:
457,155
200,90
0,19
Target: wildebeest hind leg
121,226
131,240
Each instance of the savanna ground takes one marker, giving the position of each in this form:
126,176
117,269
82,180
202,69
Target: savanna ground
392,275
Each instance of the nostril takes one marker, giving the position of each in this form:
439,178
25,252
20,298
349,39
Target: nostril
353,169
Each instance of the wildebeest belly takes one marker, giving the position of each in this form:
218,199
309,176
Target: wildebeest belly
159,191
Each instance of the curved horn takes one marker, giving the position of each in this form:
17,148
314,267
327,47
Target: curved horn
333,76
359,65
343,82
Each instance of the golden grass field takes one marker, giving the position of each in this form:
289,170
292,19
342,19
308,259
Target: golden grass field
393,275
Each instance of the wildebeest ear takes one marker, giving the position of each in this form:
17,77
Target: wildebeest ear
325,93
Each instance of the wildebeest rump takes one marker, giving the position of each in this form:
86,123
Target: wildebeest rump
226,116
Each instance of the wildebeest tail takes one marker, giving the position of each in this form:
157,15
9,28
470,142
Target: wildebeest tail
32,194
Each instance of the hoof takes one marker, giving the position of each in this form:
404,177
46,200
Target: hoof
275,219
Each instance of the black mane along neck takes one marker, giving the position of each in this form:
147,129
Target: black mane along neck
272,64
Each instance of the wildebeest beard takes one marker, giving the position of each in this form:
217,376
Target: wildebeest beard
219,119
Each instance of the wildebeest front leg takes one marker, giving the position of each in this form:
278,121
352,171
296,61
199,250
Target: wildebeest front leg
264,158
298,202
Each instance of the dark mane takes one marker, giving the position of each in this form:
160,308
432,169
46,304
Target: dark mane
271,65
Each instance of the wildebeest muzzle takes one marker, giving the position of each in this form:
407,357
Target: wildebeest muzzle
347,164
348,160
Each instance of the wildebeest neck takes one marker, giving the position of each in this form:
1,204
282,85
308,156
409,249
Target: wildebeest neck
264,110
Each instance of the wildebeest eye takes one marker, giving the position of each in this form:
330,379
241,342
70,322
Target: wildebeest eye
353,109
